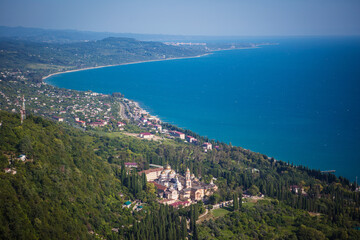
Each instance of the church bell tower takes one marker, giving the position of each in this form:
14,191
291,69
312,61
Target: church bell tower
188,179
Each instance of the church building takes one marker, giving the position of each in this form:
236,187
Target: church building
173,186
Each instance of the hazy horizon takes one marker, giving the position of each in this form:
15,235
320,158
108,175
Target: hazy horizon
230,18
188,35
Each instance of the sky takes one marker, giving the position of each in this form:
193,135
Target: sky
185,17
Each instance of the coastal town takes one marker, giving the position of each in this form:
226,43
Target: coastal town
86,110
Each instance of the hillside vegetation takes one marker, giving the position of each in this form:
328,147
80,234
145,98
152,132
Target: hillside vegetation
74,184
38,59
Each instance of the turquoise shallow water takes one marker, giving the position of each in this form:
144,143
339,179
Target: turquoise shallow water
298,101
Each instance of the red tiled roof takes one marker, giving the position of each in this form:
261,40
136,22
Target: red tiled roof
130,164
176,204
150,170
158,186
96,123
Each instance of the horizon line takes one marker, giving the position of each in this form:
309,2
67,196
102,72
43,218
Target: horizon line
189,35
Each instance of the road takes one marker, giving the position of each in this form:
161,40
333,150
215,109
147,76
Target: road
122,111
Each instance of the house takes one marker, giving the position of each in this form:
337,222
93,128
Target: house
96,124
139,208
167,201
160,188
207,146
158,127
152,174
178,134
143,120
191,139
22,157
9,170
104,122
59,119
146,135
120,124
180,203
82,123
127,204
131,165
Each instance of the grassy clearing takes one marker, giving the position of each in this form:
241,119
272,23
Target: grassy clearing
220,212
248,204
114,134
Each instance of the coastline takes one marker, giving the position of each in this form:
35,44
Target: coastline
137,104
121,64
146,61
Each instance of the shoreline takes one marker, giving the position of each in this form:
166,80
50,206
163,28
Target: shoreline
121,64
146,61
155,60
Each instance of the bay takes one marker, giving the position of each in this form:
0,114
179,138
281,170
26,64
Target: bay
298,101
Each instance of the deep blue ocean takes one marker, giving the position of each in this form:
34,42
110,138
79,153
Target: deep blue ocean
298,101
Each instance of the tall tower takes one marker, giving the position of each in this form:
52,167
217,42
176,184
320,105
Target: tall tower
22,110
187,179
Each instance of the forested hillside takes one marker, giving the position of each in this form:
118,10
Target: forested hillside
40,59
74,184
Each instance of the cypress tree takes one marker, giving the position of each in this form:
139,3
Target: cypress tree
240,200
195,233
122,173
143,179
235,202
196,212
192,218
183,228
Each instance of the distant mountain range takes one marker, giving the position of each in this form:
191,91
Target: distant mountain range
69,36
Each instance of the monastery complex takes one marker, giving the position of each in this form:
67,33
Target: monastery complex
174,188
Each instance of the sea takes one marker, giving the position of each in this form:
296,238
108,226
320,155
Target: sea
297,101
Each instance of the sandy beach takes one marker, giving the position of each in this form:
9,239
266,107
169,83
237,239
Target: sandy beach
145,61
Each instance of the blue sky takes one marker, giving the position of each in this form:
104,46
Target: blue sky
184,17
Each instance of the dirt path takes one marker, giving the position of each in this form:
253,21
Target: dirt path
202,216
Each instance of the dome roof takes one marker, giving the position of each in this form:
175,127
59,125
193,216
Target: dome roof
187,170
163,172
172,172
168,167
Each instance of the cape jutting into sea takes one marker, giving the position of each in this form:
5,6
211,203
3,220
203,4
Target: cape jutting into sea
298,101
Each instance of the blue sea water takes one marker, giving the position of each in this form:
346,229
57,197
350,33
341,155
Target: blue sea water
298,101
